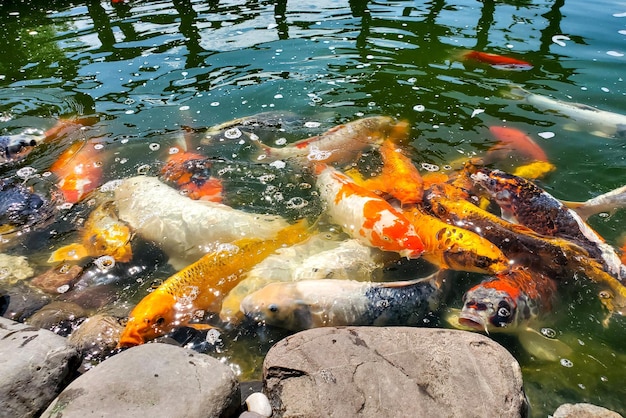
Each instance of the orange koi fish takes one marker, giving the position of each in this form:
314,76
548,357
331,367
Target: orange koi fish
191,173
514,140
365,216
497,61
79,170
399,178
201,286
451,247
103,234
340,144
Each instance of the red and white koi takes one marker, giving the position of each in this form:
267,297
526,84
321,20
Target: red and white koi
365,216
79,170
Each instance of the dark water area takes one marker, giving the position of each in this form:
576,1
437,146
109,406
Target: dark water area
142,74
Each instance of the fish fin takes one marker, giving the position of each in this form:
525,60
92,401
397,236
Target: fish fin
181,143
69,252
542,347
579,208
202,327
534,170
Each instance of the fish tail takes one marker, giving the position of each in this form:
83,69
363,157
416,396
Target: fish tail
516,92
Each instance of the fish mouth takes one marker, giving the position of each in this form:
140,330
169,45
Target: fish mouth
474,321
130,339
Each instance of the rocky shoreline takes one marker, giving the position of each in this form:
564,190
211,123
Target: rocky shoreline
323,372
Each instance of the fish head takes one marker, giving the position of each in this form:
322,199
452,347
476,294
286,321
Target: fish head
502,187
488,308
278,305
153,317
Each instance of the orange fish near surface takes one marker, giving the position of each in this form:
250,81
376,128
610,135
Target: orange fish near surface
497,61
365,216
79,170
201,286
514,140
399,178
191,173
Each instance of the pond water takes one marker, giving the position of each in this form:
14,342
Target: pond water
144,73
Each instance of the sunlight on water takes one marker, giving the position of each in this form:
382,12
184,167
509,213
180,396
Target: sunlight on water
146,80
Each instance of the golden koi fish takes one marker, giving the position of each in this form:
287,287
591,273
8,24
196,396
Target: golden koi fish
103,234
201,286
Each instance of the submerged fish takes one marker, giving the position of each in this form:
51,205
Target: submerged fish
497,60
102,234
585,118
318,303
340,144
316,258
514,140
191,173
78,170
607,202
365,216
201,286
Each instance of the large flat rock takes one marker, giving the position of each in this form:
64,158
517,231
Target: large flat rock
393,372
151,380
35,365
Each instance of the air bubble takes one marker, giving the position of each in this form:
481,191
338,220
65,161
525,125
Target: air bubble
106,262
430,167
213,336
566,363
98,146
419,108
296,203
63,289
26,172
233,133
312,124
143,169
548,332
154,146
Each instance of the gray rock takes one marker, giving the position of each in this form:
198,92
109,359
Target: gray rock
151,380
583,410
392,371
35,365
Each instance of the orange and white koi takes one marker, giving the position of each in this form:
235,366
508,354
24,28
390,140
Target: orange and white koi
201,286
496,60
191,173
340,144
78,170
103,234
365,216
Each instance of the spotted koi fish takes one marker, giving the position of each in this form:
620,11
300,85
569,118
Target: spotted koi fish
191,174
201,286
365,216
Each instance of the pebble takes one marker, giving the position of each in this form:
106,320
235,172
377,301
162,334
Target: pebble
258,403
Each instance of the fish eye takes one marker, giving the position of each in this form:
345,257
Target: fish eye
504,312
273,307
160,321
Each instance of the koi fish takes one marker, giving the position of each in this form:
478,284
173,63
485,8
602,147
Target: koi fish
534,170
317,303
201,286
191,173
607,202
451,247
399,177
512,139
339,144
365,216
510,302
527,204
78,170
185,229
317,258
17,147
497,61
103,234
585,118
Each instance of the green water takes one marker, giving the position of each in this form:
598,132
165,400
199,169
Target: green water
147,68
